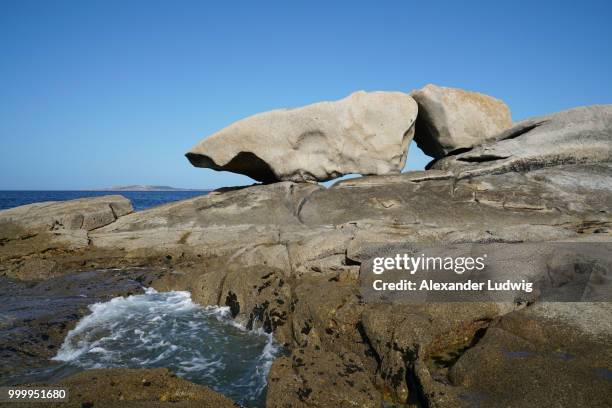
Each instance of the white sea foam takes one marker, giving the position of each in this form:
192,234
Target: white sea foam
202,344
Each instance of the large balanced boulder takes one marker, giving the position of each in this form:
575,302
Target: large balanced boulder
576,136
451,119
364,133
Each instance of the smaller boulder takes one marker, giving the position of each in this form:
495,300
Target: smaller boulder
451,118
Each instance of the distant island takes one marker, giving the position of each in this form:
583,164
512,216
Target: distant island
142,187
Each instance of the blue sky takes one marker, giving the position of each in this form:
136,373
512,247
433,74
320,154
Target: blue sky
100,93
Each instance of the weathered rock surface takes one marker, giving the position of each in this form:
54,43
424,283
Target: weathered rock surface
441,205
84,213
364,133
317,378
576,136
548,354
451,118
154,387
29,232
404,337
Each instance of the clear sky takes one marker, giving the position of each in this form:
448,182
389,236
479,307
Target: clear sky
100,93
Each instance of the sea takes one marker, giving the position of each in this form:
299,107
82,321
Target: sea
202,344
141,200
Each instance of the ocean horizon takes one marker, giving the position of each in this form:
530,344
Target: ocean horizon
141,200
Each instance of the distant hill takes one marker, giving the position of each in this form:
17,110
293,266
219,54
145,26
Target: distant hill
141,187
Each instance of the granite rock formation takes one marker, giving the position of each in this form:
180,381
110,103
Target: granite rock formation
290,257
28,231
576,136
451,119
364,133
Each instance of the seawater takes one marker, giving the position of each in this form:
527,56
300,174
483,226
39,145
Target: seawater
140,199
200,344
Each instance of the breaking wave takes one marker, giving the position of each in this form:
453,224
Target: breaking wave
201,344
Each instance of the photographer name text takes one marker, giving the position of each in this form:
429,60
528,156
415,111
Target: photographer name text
458,265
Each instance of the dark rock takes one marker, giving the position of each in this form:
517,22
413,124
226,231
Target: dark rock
320,379
125,387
